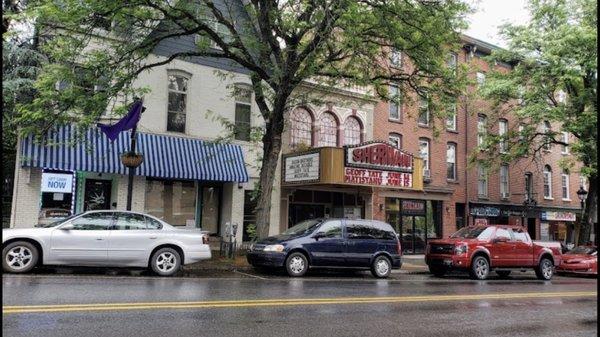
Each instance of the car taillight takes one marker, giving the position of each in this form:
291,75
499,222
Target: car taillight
205,239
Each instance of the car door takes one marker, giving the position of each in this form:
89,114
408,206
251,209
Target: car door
523,248
362,242
82,241
327,246
131,240
501,252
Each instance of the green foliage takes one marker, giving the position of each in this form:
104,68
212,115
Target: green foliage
252,233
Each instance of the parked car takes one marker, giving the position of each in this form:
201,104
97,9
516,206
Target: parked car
331,243
104,238
580,260
481,249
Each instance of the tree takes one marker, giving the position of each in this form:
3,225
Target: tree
554,79
282,44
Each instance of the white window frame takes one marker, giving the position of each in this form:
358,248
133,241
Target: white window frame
565,181
481,128
427,113
502,131
451,120
547,180
188,77
248,103
426,161
449,161
395,138
482,182
452,61
504,181
398,104
565,139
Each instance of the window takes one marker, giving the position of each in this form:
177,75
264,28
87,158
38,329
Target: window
504,193
565,139
152,223
451,117
564,180
130,221
328,130
172,201
502,233
480,79
583,182
502,131
92,222
528,185
451,161
243,101
521,132
423,111
547,129
302,127
424,152
482,181
396,58
352,131
520,235
331,229
396,139
452,61
178,87
547,182
395,105
481,129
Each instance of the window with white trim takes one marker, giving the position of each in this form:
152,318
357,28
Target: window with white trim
547,129
547,182
502,131
424,152
564,181
521,131
481,129
451,118
451,161
482,181
452,61
395,109
243,111
423,118
565,139
177,102
395,139
504,192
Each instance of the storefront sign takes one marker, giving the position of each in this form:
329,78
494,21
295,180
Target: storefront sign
379,156
558,216
485,211
376,177
302,168
57,182
416,207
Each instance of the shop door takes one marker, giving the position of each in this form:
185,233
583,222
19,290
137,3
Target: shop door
420,233
97,194
406,234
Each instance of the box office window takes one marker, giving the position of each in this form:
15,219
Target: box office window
173,201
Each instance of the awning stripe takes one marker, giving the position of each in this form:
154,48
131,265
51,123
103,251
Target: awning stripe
164,156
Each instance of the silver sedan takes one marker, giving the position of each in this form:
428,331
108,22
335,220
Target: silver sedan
104,238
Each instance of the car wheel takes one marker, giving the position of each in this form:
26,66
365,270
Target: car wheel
545,269
480,268
166,262
503,273
19,257
296,264
381,267
437,271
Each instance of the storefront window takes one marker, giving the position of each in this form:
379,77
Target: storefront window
210,209
172,201
415,220
57,196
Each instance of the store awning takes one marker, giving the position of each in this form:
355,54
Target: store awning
164,156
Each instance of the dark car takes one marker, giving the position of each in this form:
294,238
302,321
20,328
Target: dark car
331,243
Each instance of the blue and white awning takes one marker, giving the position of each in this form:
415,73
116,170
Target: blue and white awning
164,156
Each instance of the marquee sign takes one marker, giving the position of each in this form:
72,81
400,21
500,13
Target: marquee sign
302,168
379,156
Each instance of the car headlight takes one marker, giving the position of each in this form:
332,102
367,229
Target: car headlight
274,248
460,249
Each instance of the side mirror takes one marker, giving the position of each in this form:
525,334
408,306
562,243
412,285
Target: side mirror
318,236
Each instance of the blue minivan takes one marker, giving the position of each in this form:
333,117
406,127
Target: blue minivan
331,243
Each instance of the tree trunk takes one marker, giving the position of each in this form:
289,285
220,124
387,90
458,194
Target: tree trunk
590,205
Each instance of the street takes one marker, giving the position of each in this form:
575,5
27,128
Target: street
320,304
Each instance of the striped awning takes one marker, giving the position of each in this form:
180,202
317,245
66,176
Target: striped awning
164,156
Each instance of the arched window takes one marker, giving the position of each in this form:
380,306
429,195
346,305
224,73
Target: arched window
302,124
328,131
352,131
547,182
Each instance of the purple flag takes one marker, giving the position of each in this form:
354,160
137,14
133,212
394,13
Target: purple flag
126,123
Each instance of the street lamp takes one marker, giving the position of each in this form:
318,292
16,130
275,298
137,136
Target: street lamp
581,194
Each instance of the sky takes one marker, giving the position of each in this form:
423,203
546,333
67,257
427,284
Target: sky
490,14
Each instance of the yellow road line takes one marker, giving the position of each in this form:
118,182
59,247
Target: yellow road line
283,302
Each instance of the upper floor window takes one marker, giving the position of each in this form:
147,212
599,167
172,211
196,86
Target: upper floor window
564,180
547,129
502,131
547,182
352,131
504,192
394,103
451,161
302,127
423,111
565,140
452,61
482,181
396,58
481,129
177,106
328,131
528,186
480,79
243,101
451,117
521,131
396,139
424,151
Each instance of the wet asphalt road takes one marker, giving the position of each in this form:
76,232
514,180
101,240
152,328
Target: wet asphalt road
322,304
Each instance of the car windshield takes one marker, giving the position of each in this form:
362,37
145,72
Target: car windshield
304,227
583,250
469,232
58,222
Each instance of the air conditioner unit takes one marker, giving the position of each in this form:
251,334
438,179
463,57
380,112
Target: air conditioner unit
505,195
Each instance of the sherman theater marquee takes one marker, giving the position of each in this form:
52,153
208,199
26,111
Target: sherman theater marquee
373,164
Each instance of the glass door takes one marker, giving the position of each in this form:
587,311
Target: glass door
420,231
406,234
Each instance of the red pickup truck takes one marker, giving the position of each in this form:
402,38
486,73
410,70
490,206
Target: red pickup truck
502,248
